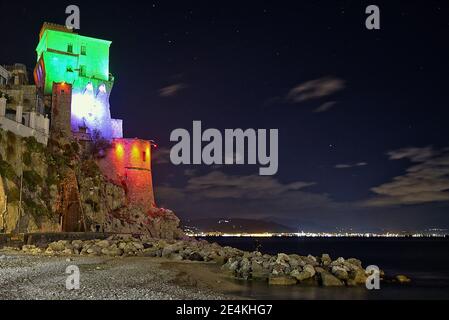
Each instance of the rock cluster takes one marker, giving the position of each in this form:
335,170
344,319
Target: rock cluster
280,269
127,245
292,269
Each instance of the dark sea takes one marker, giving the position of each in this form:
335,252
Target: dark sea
425,261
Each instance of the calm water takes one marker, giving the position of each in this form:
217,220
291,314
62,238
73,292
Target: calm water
425,261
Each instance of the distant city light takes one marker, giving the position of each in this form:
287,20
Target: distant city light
303,234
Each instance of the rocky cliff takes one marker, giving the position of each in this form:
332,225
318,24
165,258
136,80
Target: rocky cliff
63,186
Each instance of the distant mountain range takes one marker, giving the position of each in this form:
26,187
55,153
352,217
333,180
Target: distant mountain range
236,226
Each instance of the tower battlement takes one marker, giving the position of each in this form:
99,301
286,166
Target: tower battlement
55,27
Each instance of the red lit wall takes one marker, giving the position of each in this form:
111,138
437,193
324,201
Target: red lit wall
128,163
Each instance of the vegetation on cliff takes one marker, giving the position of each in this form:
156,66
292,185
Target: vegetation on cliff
49,179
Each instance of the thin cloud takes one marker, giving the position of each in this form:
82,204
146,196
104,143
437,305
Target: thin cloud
172,90
217,194
348,166
426,181
219,185
190,172
325,107
413,154
315,89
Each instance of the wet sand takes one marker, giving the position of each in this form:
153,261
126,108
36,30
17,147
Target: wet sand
206,276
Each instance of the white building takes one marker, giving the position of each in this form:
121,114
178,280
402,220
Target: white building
5,75
25,124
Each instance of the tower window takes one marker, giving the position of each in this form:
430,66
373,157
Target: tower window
83,71
83,50
70,48
144,156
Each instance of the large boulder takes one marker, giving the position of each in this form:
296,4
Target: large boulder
77,244
94,250
103,244
58,246
282,259
164,224
245,269
326,260
358,277
354,262
306,273
310,269
301,275
195,256
152,252
329,280
172,249
340,272
258,271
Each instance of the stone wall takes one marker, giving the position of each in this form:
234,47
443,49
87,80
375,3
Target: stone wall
61,109
128,163
25,157
39,239
24,95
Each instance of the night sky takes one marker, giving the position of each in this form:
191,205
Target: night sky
362,115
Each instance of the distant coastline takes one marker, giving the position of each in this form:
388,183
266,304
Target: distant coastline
313,235
268,228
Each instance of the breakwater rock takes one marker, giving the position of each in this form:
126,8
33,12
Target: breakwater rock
280,269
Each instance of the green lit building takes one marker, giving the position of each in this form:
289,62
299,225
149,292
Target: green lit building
67,58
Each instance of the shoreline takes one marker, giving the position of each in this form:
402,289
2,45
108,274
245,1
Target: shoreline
32,277
161,269
204,276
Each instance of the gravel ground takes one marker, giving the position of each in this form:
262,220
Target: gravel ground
24,277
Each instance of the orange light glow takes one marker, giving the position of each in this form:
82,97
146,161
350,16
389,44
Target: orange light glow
119,150
135,155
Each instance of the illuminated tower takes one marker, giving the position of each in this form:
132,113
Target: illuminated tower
128,163
73,72
83,62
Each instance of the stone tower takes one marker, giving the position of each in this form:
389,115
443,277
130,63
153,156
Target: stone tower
61,109
73,72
